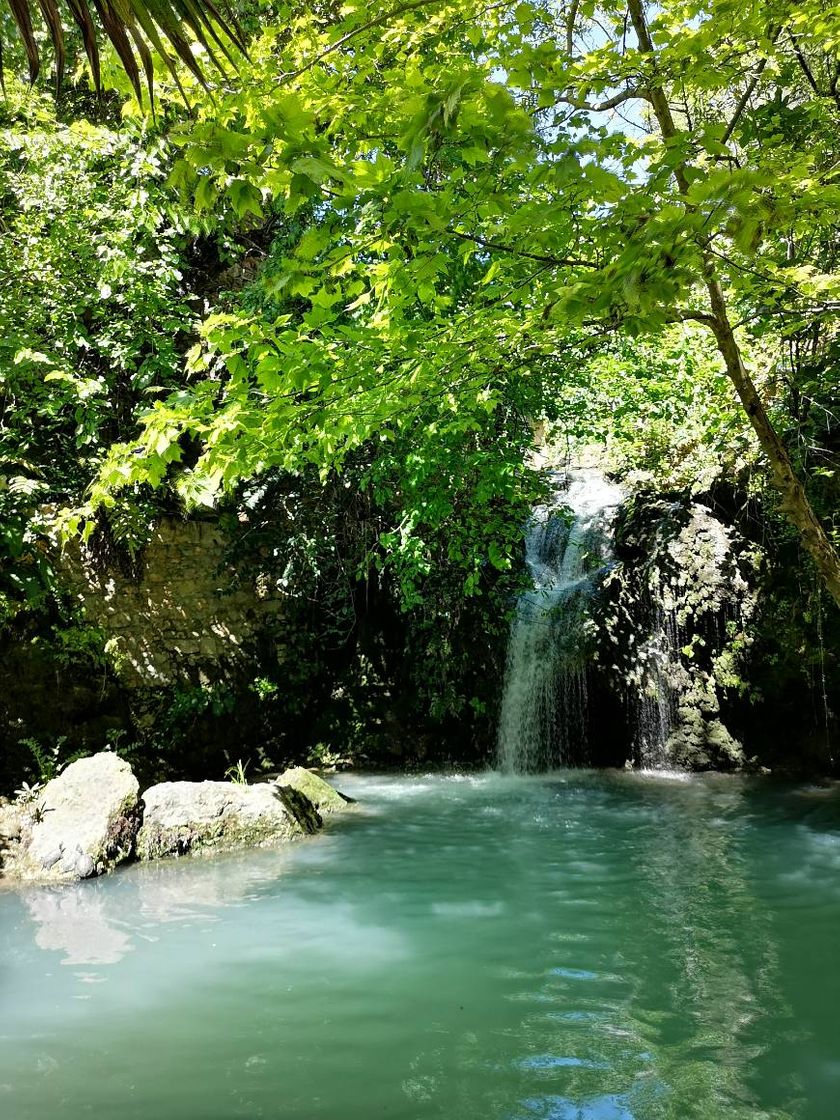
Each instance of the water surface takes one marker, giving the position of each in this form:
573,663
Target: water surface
571,947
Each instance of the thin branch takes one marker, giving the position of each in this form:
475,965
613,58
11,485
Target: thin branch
814,315
748,92
809,74
803,62
605,106
542,258
773,281
377,21
570,27
686,108
833,86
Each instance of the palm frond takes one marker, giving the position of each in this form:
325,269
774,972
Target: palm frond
136,29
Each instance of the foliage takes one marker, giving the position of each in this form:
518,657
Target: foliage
454,225
189,701
79,644
50,759
355,659
94,318
323,757
27,577
662,411
237,774
93,313
480,207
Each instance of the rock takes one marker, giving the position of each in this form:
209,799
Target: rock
51,858
10,824
82,823
320,793
300,807
700,740
673,626
182,817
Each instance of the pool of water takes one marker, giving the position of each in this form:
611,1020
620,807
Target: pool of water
576,946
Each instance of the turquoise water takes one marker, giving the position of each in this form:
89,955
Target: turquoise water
572,947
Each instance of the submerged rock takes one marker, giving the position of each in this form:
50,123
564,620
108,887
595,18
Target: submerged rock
182,817
83,823
315,789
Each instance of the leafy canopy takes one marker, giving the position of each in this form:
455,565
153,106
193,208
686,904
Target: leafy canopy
487,201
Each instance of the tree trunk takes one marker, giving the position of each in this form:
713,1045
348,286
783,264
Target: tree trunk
794,500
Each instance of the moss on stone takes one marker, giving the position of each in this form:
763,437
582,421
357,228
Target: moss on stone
157,842
314,788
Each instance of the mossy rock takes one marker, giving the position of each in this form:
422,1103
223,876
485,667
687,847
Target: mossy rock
184,817
323,796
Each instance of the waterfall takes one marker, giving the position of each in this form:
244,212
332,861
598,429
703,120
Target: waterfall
657,677
567,544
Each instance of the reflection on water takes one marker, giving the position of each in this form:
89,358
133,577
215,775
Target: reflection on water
611,1106
74,923
576,946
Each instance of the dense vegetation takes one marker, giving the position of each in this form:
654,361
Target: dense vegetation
342,287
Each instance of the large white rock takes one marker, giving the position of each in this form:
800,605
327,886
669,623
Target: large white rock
181,817
82,823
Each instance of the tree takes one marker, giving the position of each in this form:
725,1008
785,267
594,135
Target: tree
95,312
496,190
794,499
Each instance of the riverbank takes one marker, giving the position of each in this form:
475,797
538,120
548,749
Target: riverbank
92,818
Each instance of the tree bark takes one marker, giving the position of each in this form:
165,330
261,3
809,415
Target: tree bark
794,500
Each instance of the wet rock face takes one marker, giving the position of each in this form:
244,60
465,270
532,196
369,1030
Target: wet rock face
182,817
82,823
673,624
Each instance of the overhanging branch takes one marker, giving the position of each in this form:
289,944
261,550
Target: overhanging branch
605,106
748,92
377,21
543,258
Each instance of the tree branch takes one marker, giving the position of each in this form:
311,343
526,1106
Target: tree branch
692,317
809,73
803,63
833,86
605,106
542,258
748,92
377,21
570,27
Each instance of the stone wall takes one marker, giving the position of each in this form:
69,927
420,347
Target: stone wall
187,612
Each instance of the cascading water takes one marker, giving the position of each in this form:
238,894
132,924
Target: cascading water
657,677
567,544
